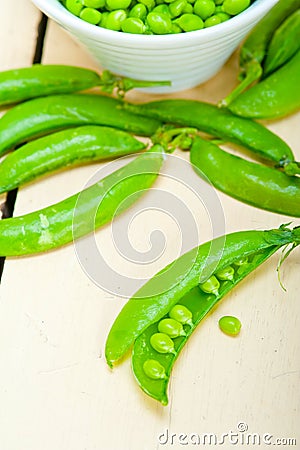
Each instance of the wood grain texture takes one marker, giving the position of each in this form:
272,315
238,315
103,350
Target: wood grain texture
56,391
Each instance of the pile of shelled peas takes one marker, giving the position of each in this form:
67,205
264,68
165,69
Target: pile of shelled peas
155,16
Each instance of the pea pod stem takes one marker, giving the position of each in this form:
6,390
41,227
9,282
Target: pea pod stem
63,149
254,71
40,80
275,96
80,214
172,137
125,84
219,123
168,287
44,115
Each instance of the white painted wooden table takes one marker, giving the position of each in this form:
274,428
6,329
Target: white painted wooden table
56,393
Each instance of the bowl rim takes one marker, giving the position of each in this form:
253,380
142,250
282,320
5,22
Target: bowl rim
56,11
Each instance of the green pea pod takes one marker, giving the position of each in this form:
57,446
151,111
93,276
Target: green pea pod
168,287
220,123
139,319
64,149
39,80
252,183
46,114
284,44
200,304
81,213
276,96
255,46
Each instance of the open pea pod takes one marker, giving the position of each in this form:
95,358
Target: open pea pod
178,284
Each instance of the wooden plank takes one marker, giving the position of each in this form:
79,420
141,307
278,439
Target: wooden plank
56,391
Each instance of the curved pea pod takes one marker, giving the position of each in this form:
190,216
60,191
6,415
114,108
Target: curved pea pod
39,80
47,114
82,213
284,44
249,182
139,319
167,288
276,96
220,123
62,149
255,47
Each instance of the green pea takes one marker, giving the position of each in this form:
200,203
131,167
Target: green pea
133,25
188,9
218,9
171,327
226,274
115,19
223,16
176,29
219,2
234,7
182,314
163,8
162,343
90,15
210,286
204,8
176,8
150,4
242,265
212,21
230,325
139,11
94,3
103,20
190,22
159,23
74,6
153,369
241,262
117,4
186,142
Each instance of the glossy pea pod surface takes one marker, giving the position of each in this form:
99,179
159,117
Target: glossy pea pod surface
39,80
276,96
64,149
44,115
220,123
139,319
255,47
252,183
284,44
155,299
82,213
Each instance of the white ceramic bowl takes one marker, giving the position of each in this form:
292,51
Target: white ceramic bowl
186,59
